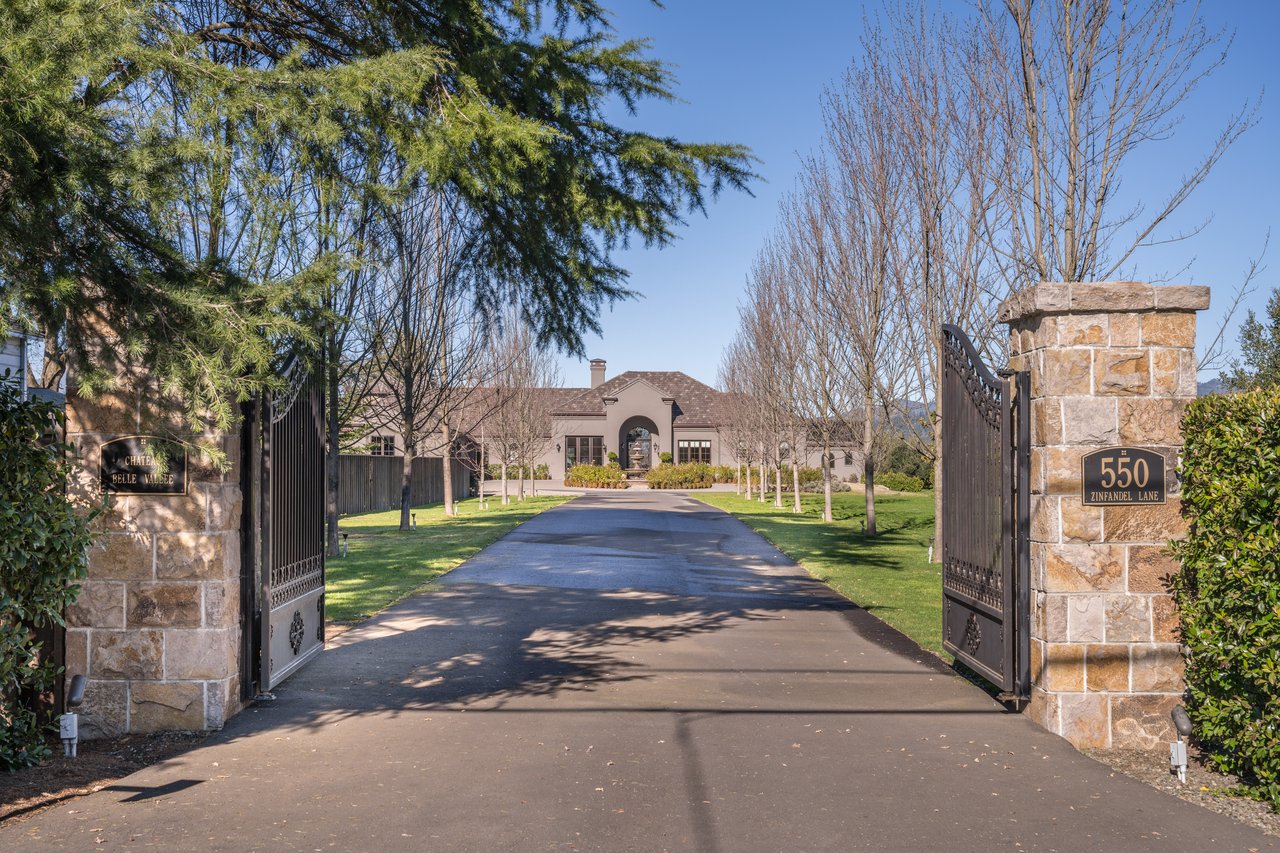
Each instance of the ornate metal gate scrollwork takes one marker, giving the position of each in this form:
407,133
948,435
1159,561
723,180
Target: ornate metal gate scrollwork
985,512
285,472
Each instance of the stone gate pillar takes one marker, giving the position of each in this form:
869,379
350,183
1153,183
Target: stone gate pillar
155,629
1112,364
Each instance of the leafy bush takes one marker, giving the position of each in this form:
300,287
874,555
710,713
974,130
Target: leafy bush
664,457
596,477
613,458
899,482
725,474
1228,588
43,546
907,460
689,475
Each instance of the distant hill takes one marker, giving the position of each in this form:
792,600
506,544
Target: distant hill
1213,386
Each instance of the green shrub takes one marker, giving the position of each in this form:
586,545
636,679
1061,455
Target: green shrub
1228,587
906,459
596,477
689,475
43,546
899,481
664,457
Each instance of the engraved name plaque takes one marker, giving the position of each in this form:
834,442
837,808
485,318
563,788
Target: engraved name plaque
144,465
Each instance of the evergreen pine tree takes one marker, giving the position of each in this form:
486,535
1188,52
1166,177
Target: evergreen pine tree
1259,362
153,159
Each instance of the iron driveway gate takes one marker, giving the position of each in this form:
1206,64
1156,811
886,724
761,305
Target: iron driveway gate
283,519
985,513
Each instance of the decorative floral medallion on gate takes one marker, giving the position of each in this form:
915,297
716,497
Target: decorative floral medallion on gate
295,632
972,634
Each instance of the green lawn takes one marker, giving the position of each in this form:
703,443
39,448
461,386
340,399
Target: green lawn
384,565
889,574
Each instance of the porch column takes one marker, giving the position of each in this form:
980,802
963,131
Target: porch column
1112,369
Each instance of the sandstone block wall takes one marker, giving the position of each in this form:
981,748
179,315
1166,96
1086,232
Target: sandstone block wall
156,629
1111,364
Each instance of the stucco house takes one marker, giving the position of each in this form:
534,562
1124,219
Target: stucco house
639,415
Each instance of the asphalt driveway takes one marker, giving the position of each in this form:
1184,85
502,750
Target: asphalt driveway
629,672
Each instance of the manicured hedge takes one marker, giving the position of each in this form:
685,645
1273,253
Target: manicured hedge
690,475
1228,589
726,474
540,472
596,477
43,543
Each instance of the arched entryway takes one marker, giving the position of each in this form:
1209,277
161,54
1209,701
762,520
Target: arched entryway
638,444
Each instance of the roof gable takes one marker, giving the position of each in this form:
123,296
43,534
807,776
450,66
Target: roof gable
696,404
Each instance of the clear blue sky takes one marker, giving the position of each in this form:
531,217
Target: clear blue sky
752,72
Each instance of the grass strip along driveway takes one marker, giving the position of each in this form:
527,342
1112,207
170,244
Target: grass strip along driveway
888,574
383,564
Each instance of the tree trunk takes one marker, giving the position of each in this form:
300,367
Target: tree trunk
795,487
406,485
764,480
748,470
522,481
777,485
506,497
737,480
334,440
868,463
826,482
484,472
447,471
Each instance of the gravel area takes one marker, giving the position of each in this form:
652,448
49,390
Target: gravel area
1204,786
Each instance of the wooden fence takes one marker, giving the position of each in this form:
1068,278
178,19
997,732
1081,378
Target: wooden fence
369,483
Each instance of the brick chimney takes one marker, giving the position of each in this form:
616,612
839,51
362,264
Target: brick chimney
597,372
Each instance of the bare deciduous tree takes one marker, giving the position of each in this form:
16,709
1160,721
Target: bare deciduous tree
430,340
1094,81
520,409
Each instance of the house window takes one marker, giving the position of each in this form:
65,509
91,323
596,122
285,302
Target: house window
694,451
848,457
583,450
383,445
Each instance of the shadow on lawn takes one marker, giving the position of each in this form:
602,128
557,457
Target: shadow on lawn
804,538
384,563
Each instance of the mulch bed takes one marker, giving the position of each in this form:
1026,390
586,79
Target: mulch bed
1204,786
100,762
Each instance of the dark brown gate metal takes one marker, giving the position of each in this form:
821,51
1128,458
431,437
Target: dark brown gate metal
284,520
985,513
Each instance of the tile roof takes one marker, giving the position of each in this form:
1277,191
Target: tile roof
696,404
